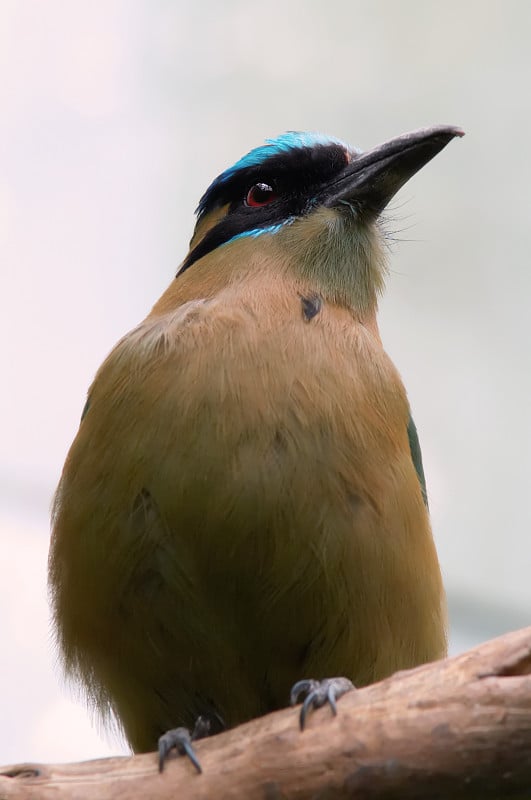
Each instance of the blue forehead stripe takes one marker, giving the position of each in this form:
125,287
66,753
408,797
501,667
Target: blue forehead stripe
281,144
290,140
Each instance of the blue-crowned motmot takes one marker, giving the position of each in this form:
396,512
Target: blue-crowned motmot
244,503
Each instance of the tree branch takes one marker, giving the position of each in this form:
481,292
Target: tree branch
459,728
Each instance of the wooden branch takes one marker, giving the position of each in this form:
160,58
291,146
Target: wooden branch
459,728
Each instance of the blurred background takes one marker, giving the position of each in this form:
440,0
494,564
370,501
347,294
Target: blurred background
116,114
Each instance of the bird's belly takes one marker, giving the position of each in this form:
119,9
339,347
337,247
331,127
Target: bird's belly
257,520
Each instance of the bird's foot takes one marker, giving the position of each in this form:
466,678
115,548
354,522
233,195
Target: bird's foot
181,739
318,694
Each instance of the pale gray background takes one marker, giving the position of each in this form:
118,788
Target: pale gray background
114,117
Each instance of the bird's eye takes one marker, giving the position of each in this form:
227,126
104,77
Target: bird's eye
260,195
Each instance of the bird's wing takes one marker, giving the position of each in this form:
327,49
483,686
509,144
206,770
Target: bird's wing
416,455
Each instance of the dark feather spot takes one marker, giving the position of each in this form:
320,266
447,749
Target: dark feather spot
310,306
354,500
279,443
143,509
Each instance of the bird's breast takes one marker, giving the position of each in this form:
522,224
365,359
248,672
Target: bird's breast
237,407
251,384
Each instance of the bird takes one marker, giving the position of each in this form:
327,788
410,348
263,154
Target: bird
243,510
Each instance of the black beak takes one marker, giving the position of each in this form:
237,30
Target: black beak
371,179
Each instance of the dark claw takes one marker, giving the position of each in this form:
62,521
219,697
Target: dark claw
318,693
182,741
302,687
201,728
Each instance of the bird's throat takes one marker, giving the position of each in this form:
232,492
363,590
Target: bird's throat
343,258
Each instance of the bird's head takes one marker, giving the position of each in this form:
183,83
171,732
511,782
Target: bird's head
311,205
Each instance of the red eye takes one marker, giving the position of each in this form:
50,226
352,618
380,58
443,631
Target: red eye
260,195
